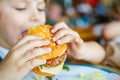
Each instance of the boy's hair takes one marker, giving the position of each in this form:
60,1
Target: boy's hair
46,1
115,6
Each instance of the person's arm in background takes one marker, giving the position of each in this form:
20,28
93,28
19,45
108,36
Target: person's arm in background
111,30
111,33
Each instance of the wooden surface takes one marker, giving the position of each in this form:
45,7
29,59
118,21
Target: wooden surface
86,33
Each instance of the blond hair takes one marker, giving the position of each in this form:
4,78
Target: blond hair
116,6
46,1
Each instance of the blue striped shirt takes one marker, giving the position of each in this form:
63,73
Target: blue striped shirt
3,52
29,76
0,59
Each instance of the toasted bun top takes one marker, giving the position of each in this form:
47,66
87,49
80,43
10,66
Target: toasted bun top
44,32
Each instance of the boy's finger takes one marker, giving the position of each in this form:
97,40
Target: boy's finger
25,39
34,53
65,39
59,26
31,64
28,46
60,34
65,32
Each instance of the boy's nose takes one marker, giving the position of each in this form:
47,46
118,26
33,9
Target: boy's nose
35,17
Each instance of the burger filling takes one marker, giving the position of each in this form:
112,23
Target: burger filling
56,61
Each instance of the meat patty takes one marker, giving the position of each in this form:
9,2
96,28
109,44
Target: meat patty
56,61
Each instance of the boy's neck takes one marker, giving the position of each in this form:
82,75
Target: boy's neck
4,44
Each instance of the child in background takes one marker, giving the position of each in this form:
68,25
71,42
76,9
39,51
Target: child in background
111,33
111,36
115,10
54,13
18,49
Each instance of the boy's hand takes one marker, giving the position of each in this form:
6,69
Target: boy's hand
63,34
21,58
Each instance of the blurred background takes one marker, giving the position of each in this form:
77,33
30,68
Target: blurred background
87,17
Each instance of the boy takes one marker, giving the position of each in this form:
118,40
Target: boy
16,17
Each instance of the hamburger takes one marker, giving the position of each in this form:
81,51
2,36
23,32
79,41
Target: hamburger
55,59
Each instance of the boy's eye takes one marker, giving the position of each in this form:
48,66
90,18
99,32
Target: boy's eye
41,9
20,9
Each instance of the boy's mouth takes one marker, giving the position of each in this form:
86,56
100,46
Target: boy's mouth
24,33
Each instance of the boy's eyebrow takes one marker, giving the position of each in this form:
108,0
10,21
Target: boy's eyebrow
34,0
28,1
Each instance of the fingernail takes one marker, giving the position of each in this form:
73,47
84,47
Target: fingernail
43,61
81,41
47,41
49,49
54,38
59,42
40,61
52,31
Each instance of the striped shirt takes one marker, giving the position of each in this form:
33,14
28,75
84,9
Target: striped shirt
29,76
3,52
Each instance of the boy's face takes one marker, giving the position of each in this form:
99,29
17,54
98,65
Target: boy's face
16,16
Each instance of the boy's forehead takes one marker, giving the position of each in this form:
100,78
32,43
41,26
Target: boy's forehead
26,0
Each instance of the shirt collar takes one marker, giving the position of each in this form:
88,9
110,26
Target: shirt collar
3,52
117,39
